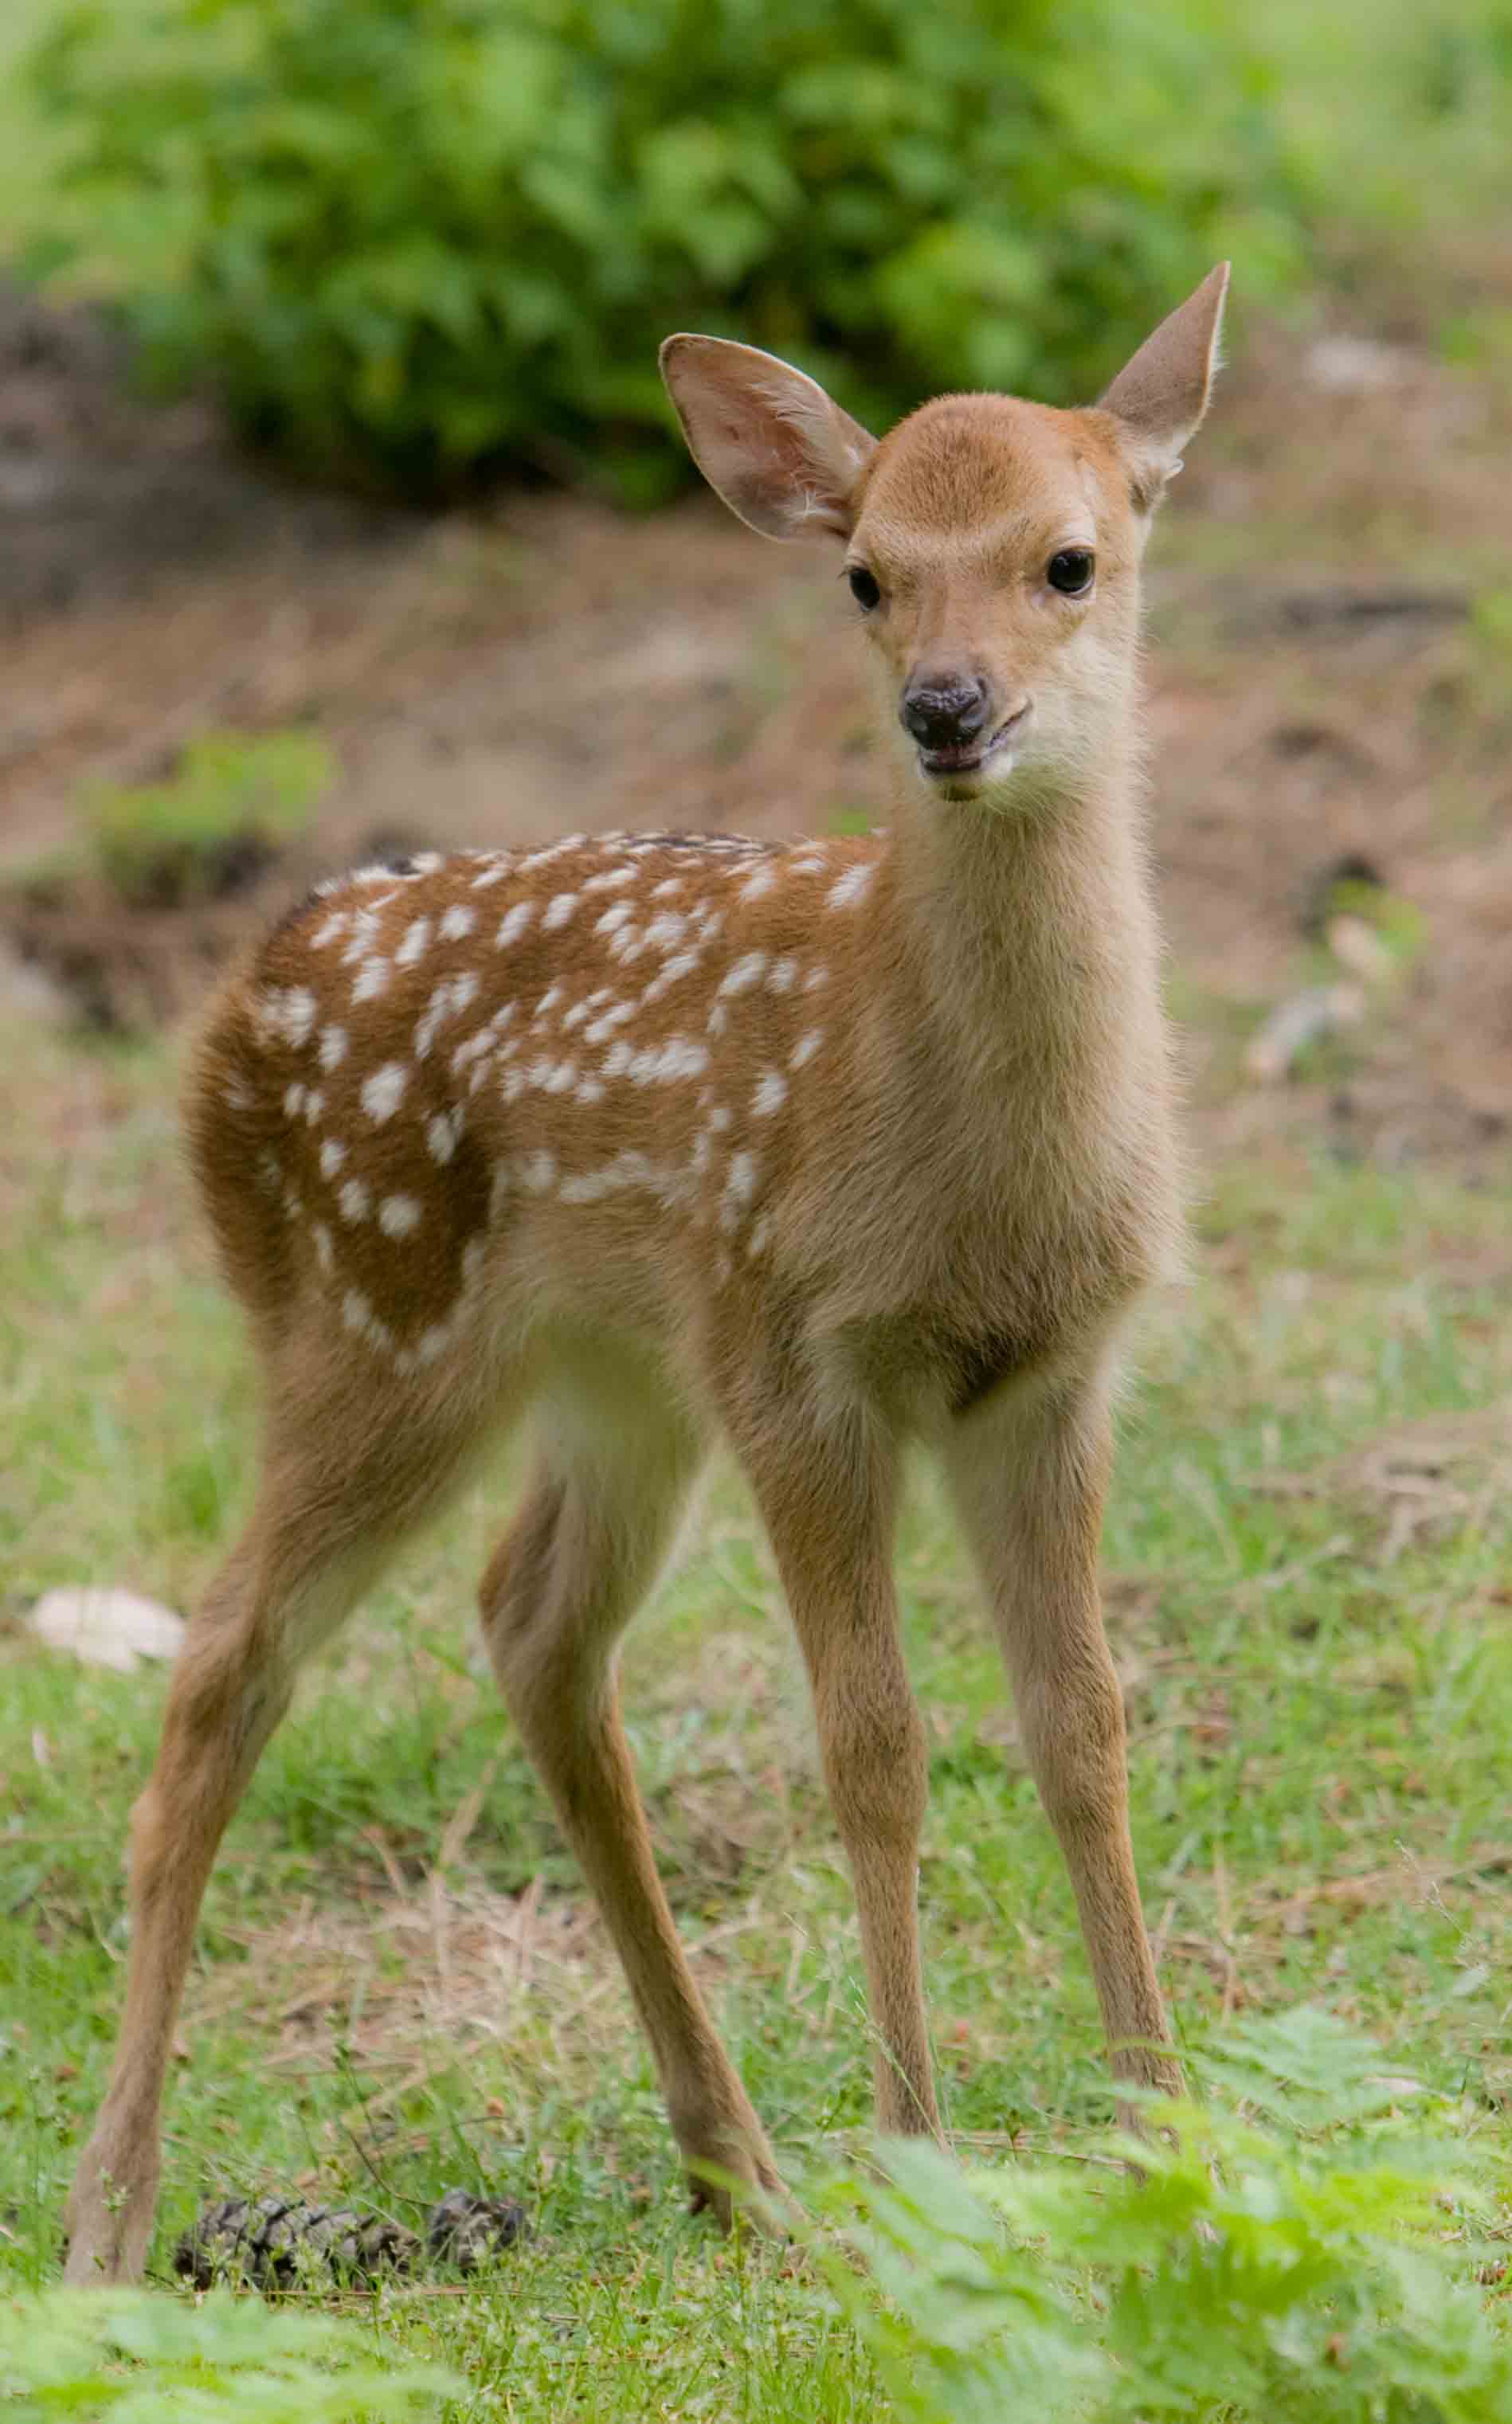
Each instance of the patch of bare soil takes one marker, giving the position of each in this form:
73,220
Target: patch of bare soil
1321,685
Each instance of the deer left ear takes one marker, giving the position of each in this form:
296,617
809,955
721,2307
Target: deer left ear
1160,396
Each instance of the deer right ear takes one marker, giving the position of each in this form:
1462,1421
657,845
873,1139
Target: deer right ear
765,437
1161,395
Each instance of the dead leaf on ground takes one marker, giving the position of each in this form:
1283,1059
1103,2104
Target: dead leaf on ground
107,1628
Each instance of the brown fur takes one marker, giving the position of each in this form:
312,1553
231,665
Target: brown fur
823,1147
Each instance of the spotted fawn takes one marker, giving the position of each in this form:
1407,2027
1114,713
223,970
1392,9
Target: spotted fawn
823,1146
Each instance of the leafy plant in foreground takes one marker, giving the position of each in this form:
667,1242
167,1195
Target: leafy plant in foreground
139,2357
1294,2249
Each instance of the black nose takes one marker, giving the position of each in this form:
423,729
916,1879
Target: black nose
943,714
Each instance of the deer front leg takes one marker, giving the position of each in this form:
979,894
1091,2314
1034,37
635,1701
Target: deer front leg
829,1517
1029,1473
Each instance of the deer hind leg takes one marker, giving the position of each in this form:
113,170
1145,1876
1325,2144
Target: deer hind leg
583,1550
325,1524
828,1506
1029,1473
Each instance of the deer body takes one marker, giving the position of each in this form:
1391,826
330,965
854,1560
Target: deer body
817,1145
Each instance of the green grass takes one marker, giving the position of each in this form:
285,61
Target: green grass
1320,1704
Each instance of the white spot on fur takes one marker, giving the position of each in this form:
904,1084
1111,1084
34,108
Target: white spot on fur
293,1101
666,930
355,1201
514,924
771,1095
782,976
612,881
451,997
681,964
373,978
853,886
398,1214
536,1171
360,1316
547,1003
383,1093
667,889
494,874
604,1025
458,922
759,1235
806,1048
315,1104
441,1133
558,910
236,1096
332,1047
332,1154
740,1186
289,1014
364,934
756,887
554,849
415,944
330,928
816,979
744,974
619,914
325,1251
661,1064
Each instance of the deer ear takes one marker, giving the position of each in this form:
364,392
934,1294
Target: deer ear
765,437
1161,395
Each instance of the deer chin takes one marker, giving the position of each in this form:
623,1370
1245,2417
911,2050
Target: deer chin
966,772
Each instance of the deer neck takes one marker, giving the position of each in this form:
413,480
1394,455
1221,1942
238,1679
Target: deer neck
1032,934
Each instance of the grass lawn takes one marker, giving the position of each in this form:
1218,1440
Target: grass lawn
400,1986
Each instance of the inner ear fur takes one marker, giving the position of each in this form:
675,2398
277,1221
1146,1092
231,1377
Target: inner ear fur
768,440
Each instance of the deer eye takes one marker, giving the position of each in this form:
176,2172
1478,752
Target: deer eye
865,587
1072,571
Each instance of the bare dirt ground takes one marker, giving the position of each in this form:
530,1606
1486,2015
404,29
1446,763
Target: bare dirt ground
1331,676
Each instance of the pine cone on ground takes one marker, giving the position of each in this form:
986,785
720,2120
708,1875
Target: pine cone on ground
277,2242
466,2230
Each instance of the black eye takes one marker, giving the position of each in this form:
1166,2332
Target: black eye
1071,570
864,587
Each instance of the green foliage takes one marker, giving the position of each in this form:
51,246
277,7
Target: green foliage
419,235
137,2357
233,799
1294,2248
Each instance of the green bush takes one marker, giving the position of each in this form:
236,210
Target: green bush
421,235
214,822
1298,2249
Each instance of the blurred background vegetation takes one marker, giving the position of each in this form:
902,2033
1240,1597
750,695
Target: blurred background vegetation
408,240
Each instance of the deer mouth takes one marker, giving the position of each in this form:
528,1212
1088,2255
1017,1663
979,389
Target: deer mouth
966,758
